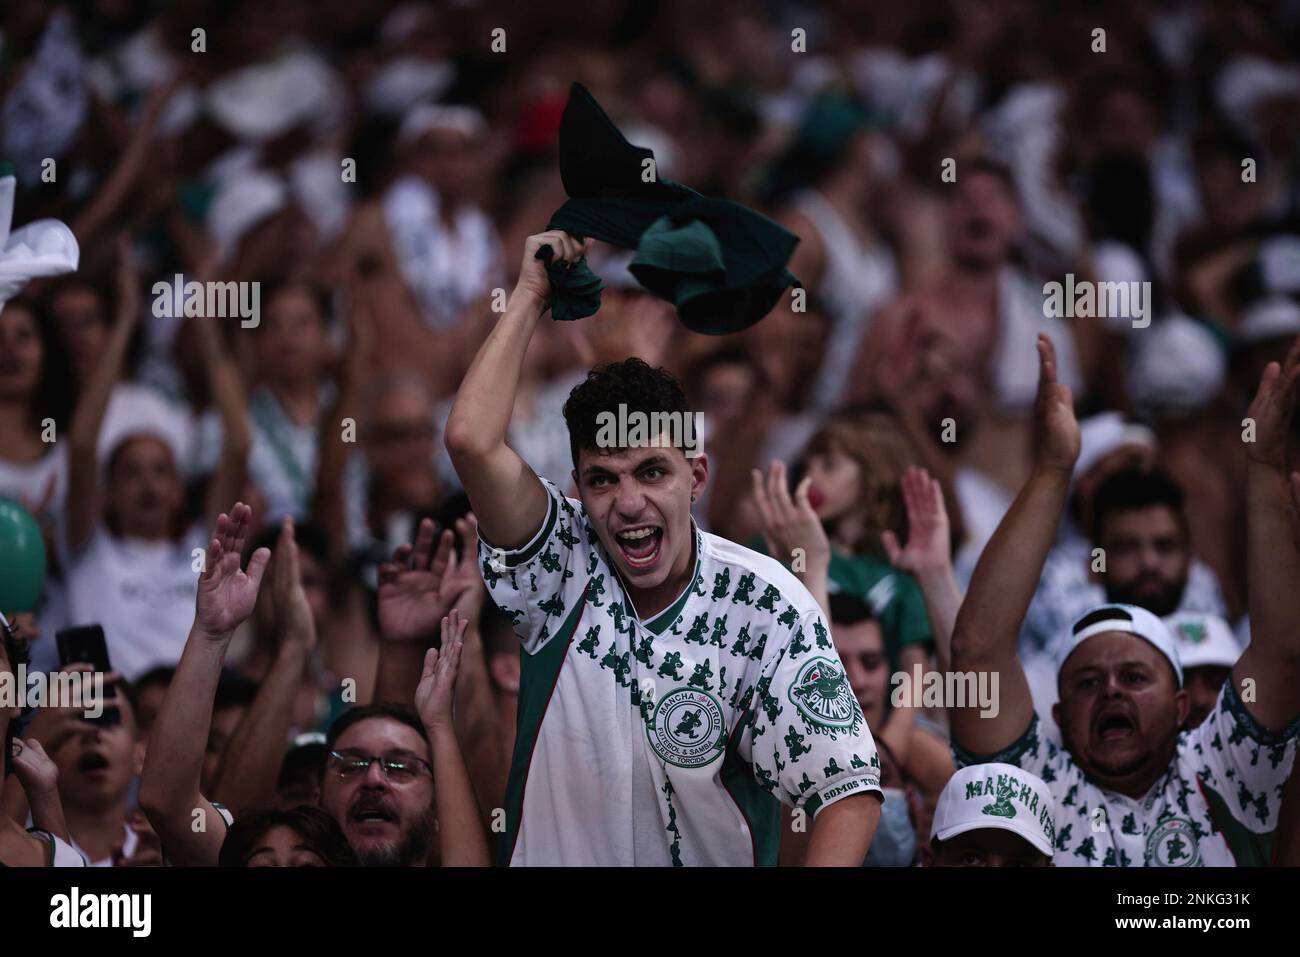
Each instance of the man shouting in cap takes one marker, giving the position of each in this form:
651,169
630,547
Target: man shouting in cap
1132,789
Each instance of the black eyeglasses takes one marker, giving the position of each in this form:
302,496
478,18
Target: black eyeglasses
399,770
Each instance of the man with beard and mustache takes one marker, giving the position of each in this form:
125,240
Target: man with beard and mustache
1140,524
676,689
1131,788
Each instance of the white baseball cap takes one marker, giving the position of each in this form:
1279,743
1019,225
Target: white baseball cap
1203,640
1117,617
1001,796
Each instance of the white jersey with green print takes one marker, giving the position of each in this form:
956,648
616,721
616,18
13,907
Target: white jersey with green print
1217,804
670,741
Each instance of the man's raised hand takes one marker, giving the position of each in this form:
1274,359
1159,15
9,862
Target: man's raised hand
411,598
1273,410
929,547
226,592
1057,430
293,618
565,247
437,689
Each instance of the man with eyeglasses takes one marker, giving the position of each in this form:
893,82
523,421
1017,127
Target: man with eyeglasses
377,779
378,784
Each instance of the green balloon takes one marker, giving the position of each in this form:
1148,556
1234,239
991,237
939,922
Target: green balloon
22,558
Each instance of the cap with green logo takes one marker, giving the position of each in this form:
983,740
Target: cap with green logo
999,796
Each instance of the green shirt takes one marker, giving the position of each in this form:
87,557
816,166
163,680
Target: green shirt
894,597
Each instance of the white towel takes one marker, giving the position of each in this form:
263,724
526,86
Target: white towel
43,248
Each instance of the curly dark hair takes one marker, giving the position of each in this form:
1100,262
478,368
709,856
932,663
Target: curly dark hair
632,383
317,828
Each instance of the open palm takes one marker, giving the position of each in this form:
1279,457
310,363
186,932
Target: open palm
928,545
227,593
412,595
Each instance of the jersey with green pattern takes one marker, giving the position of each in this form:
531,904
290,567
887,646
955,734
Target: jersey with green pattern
733,697
1216,805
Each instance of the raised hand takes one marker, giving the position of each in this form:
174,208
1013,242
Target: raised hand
411,595
1273,409
928,547
36,770
462,583
1056,427
532,271
437,688
293,618
227,593
790,523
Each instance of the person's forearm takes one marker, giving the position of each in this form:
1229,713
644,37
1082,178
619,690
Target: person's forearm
942,601
814,579
227,390
988,623
897,731
842,832
47,813
397,674
1273,564
486,398
169,785
461,837
476,723
83,435
249,771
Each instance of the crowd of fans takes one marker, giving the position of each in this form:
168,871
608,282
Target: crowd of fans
376,167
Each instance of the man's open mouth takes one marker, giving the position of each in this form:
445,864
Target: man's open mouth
372,815
640,545
1114,726
91,762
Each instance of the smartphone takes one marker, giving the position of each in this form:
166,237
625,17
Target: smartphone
87,644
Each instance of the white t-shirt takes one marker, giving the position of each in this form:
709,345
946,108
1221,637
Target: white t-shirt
673,740
25,482
1216,806
142,593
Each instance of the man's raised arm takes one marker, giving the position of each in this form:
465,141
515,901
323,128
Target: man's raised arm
988,624
506,494
1272,659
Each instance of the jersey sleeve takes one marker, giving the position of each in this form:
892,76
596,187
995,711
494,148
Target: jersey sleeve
1244,763
809,743
1033,751
538,584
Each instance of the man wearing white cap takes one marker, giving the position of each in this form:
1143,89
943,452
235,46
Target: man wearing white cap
1132,789
992,815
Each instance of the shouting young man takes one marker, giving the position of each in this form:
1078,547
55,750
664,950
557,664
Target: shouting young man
675,687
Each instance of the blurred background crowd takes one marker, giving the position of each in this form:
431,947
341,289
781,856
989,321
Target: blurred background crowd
376,167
